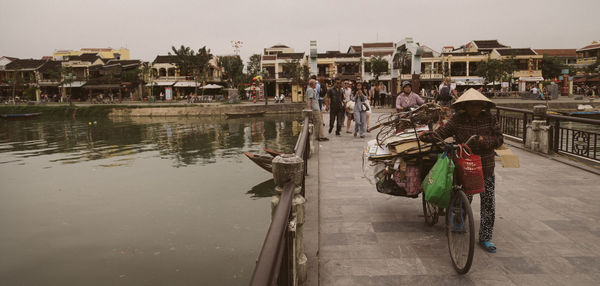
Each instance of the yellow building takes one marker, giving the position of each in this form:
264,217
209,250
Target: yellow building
278,79
105,53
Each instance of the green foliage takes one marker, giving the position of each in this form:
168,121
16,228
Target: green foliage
132,76
551,67
29,93
593,68
495,70
190,62
379,66
298,73
233,68
253,67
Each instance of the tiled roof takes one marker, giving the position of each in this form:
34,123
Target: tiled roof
268,57
457,54
167,59
385,53
565,53
86,57
488,44
356,49
338,55
427,55
516,52
21,64
590,47
95,67
378,45
50,66
290,56
97,49
279,46
123,62
10,58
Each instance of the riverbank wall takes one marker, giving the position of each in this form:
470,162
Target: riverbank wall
146,110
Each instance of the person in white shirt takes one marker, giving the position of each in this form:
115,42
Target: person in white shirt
348,98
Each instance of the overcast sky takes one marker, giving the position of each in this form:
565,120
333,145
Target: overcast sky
32,29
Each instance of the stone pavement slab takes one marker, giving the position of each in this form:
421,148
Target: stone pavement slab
547,227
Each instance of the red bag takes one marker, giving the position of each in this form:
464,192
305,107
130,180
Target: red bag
470,171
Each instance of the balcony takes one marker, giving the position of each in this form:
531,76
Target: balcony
585,61
283,75
526,73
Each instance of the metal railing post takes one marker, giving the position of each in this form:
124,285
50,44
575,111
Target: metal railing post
524,127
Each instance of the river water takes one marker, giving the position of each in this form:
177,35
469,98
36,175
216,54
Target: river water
141,201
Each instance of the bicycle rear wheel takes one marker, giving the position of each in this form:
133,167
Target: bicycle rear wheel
430,211
461,232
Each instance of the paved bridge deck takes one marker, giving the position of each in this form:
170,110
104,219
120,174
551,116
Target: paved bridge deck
547,227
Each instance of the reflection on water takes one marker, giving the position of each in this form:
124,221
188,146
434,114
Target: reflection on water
184,141
265,189
139,201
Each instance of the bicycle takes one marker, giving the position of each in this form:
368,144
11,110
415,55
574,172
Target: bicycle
460,227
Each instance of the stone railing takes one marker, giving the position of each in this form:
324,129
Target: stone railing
282,260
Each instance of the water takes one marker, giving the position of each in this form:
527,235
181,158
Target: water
140,201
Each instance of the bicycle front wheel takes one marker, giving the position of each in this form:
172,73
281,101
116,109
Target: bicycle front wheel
461,232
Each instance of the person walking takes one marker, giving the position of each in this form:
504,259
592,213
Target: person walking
382,94
473,117
407,98
336,106
376,100
360,111
445,96
348,104
313,104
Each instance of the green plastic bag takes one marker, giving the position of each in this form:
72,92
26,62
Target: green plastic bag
438,183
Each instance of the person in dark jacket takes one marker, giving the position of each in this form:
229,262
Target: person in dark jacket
336,106
473,117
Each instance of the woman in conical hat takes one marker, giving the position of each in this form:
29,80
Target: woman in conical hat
473,117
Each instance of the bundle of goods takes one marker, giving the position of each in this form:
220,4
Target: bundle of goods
392,165
426,114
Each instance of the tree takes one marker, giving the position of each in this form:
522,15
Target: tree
297,72
551,67
495,70
233,67
253,66
379,66
192,63
593,68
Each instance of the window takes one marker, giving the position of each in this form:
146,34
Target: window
472,67
458,69
522,65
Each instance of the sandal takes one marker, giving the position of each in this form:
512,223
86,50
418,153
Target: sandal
488,246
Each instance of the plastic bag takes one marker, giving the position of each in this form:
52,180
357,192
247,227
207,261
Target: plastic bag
438,183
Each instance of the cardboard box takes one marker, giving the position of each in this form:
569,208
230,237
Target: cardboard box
507,158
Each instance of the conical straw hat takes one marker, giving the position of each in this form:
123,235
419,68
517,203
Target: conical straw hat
473,95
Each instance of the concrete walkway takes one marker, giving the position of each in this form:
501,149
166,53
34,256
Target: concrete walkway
547,227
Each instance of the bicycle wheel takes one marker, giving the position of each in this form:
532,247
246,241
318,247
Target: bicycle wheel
430,211
461,232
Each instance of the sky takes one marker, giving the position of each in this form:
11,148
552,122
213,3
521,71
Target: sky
32,29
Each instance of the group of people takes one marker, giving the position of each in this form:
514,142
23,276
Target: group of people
345,102
588,90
